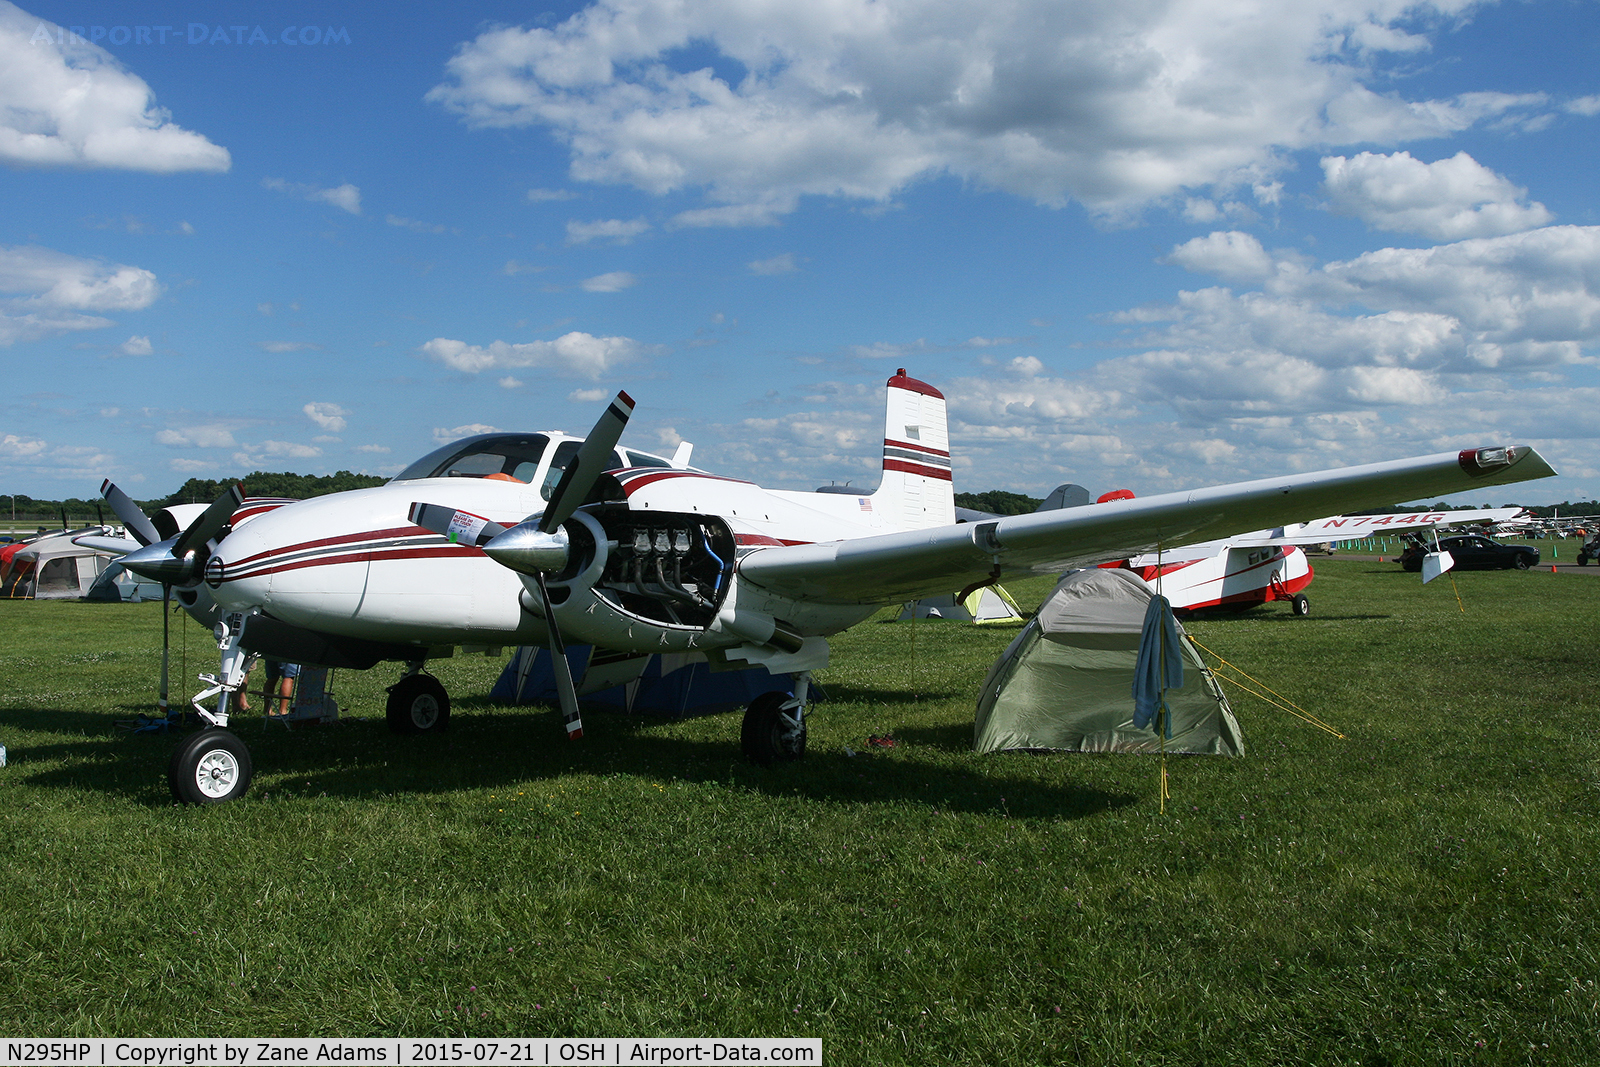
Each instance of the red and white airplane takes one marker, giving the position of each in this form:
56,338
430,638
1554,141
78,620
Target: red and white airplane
1267,565
513,539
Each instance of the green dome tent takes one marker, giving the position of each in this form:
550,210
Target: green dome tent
1066,682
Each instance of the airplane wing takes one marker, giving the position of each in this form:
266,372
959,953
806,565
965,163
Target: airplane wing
1353,527
916,563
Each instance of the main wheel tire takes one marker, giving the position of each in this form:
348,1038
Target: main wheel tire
1299,604
762,735
418,704
210,767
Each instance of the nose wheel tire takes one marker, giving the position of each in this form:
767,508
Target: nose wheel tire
418,704
767,737
210,767
1299,604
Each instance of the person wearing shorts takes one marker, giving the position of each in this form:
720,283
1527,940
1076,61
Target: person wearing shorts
280,677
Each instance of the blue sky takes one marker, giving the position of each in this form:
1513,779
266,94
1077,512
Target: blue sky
1145,245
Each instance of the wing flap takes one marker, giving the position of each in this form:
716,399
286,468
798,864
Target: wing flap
890,567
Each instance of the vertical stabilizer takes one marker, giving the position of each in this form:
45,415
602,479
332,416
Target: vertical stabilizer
916,490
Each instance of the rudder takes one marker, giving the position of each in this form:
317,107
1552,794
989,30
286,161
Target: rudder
916,491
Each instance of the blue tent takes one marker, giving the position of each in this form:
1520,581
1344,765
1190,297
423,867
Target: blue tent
674,686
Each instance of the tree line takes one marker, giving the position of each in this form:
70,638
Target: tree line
193,491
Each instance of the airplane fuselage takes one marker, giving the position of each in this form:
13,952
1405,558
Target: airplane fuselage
352,564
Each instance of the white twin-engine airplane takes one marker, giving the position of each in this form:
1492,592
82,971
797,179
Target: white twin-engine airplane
1265,565
513,539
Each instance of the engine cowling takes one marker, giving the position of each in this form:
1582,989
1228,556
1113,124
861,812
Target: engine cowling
645,579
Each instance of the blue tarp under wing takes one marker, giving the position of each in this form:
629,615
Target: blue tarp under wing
675,686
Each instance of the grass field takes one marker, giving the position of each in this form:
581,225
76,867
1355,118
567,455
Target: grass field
1421,892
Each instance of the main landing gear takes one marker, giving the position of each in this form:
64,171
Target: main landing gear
210,767
774,729
418,704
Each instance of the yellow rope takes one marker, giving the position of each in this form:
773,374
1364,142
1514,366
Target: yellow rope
1282,702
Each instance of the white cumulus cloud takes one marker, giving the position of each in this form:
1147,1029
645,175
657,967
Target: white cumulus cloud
573,355
617,231
1226,254
44,292
1110,105
611,282
345,197
779,264
471,429
1446,200
211,436
329,416
15,447
67,102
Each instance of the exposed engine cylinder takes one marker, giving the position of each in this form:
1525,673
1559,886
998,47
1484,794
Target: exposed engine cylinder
666,568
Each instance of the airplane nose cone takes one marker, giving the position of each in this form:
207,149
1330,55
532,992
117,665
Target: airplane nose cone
527,549
234,584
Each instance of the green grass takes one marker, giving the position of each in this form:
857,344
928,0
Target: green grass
1421,892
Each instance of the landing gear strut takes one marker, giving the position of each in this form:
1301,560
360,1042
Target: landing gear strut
774,729
213,766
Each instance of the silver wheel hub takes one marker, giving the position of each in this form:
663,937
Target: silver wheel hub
217,773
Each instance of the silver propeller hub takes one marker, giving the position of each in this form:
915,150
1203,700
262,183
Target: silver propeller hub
158,563
529,550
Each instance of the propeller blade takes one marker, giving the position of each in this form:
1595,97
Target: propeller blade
210,522
586,467
565,689
139,526
462,527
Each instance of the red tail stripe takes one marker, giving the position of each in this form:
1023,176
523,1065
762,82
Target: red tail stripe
917,468
889,442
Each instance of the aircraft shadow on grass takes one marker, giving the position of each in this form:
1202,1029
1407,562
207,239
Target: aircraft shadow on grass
358,758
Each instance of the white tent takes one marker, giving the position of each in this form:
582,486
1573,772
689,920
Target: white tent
989,604
1066,682
116,582
54,567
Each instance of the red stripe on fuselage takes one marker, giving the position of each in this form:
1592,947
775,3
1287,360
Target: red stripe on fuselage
328,542
763,541
369,555
632,483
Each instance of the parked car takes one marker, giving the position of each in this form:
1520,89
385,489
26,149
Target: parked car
1472,552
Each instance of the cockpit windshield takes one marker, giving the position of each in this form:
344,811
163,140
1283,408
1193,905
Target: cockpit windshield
508,455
